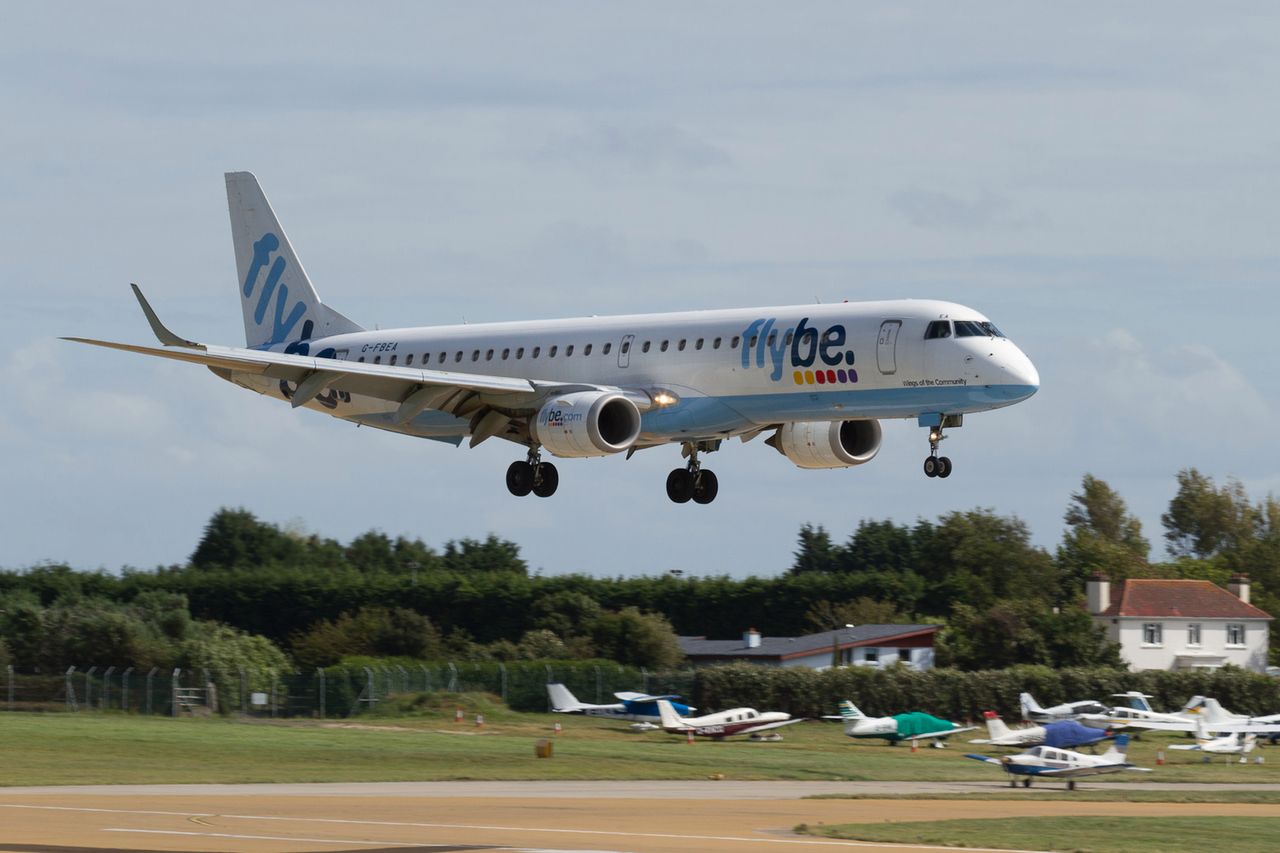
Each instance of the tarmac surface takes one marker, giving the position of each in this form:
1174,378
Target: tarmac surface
602,817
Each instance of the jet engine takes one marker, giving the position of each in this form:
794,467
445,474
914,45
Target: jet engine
587,423
828,444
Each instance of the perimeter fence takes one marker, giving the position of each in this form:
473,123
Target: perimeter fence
330,692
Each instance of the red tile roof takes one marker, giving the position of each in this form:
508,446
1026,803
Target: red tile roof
1185,598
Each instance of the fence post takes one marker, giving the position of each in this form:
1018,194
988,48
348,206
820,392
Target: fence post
320,672
106,688
274,686
370,691
426,678
644,678
502,671
124,689
150,675
453,678
173,693
68,689
88,687
599,685
9,669
244,697
404,679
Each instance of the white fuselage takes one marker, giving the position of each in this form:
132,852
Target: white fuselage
729,372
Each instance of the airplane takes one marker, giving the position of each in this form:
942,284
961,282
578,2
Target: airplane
723,724
1061,734
1031,709
818,378
638,707
1238,743
915,725
1198,710
1049,763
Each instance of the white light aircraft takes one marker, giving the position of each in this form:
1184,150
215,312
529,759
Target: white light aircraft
1031,709
818,378
723,724
1239,743
1066,734
912,725
1199,710
1049,763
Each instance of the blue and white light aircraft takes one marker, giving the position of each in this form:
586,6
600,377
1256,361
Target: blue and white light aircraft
640,707
817,378
1046,762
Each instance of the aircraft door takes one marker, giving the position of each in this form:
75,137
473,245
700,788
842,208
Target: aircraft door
624,350
887,347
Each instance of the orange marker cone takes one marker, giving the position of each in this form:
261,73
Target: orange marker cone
915,745
690,737
479,721
1159,757
557,728
457,716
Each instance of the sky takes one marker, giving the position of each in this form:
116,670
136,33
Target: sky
1102,180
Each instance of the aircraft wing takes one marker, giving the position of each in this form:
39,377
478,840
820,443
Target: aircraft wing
987,759
627,696
943,733
1157,725
1096,769
763,727
414,389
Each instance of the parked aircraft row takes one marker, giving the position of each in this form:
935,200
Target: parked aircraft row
1135,712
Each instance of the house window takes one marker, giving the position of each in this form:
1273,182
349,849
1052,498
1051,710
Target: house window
1152,634
1193,634
871,655
1235,634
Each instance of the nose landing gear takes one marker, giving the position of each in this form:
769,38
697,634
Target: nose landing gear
935,465
691,481
532,475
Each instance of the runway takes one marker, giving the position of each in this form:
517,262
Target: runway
625,817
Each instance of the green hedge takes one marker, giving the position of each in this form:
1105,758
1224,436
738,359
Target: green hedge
959,695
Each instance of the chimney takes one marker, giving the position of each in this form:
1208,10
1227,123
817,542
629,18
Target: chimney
1239,587
751,638
1097,592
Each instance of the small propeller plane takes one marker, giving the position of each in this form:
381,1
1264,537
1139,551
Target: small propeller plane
1032,711
1049,763
1061,734
1199,710
915,725
639,707
723,724
1238,743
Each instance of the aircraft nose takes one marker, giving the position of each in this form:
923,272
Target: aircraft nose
1020,374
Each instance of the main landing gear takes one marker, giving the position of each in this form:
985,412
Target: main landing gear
935,465
691,481
532,475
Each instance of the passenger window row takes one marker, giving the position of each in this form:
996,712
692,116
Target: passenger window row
518,353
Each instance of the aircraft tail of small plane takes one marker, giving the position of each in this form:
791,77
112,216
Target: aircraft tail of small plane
849,712
1030,707
279,303
1116,752
995,726
562,699
670,719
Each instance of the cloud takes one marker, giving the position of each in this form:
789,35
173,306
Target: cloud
638,147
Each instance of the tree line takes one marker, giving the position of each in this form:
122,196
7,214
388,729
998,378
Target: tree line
253,587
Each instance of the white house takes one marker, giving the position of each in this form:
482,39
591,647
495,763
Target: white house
1181,624
864,645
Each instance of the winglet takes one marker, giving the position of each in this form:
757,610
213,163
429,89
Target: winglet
166,337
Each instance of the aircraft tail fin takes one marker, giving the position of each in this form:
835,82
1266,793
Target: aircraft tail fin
849,711
1116,752
1030,707
562,700
995,726
666,713
279,303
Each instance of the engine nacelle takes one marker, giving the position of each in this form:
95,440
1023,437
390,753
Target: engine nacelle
587,423
828,444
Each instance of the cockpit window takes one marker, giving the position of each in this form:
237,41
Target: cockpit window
938,329
976,329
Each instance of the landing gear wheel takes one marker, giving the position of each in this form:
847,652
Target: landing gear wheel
546,481
1026,783
680,485
931,466
1071,784
520,478
705,488
944,467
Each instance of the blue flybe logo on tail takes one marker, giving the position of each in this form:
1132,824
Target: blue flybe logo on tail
281,325
815,357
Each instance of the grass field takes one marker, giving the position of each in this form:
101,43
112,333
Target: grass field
425,745
1079,835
